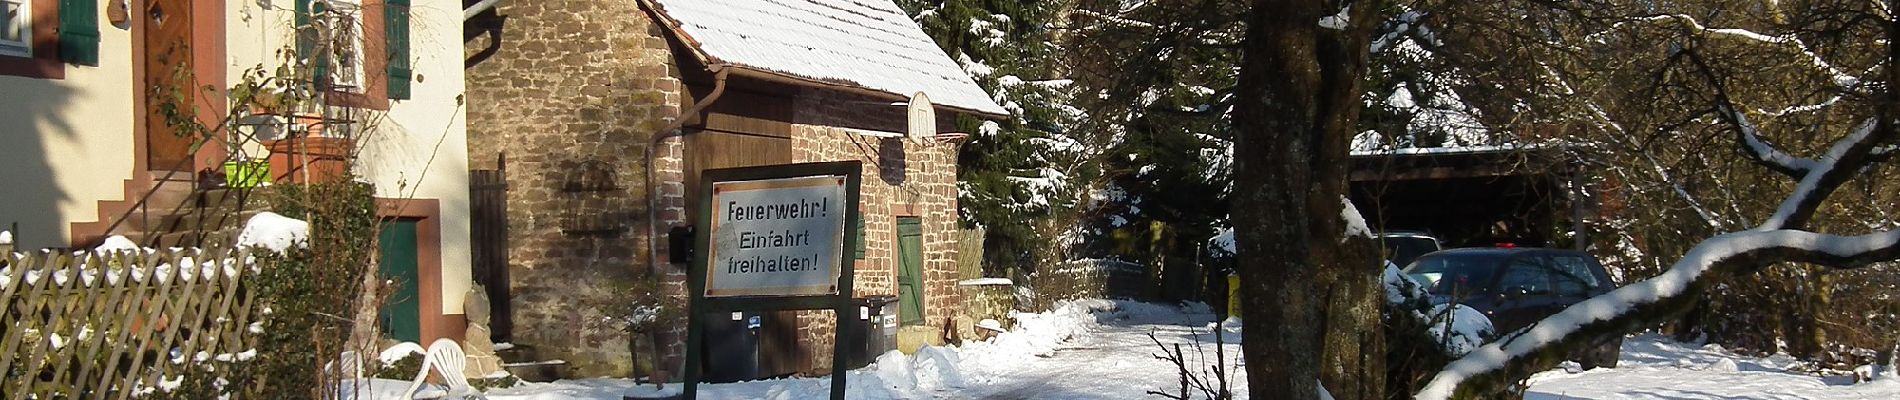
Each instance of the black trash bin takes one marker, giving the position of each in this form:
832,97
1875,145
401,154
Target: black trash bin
884,335
731,348
876,325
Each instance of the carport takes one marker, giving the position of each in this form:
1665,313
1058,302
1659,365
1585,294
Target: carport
1472,196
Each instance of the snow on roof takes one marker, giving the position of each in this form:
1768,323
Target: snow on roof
864,43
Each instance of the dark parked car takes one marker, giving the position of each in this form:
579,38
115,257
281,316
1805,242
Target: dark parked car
1517,286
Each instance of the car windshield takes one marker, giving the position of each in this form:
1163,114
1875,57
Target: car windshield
1454,273
1403,249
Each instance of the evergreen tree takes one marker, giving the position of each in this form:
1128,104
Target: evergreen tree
1014,175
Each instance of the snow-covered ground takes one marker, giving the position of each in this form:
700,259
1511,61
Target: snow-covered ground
1657,368
1100,349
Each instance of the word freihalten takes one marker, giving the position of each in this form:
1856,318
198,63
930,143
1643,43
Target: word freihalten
775,238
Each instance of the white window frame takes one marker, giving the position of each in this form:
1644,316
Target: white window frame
351,74
24,46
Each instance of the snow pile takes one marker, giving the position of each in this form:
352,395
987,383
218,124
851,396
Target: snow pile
1460,329
986,282
1040,333
1355,223
272,231
118,243
1401,289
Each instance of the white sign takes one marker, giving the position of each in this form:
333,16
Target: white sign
922,116
779,237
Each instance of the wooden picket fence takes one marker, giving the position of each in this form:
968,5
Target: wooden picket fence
107,325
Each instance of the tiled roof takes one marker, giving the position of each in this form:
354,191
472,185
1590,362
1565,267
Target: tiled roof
869,44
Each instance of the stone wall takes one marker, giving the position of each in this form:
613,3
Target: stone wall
903,177
572,97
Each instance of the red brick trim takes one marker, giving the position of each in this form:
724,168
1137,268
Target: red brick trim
45,61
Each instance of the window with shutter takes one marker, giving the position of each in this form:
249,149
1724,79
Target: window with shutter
30,32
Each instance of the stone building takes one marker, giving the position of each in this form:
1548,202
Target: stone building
570,94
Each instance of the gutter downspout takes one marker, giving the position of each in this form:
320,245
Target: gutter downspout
478,8
674,130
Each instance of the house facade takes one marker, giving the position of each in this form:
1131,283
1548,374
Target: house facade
573,95
96,93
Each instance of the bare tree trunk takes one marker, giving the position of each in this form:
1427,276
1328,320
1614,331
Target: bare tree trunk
1309,307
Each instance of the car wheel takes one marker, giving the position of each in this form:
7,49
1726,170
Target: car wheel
1603,355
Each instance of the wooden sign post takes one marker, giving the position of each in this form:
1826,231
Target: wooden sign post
774,238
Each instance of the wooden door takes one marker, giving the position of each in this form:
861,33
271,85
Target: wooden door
401,316
488,241
169,87
910,271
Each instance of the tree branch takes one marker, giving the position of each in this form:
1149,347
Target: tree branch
1746,134
1844,159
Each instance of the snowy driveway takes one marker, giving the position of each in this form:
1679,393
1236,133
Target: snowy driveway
1100,349
1114,361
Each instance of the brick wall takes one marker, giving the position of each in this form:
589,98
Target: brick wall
575,86
570,90
902,177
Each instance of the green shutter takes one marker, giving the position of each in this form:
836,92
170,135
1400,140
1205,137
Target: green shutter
860,236
396,29
79,32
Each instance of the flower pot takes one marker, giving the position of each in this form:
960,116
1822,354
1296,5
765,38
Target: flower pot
304,160
246,174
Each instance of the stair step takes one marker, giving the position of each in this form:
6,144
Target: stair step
227,199
193,239
518,354
537,371
169,194
206,220
138,222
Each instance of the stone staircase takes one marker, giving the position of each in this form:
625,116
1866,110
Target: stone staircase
522,362
176,213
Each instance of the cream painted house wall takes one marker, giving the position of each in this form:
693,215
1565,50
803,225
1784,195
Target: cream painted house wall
66,143
418,149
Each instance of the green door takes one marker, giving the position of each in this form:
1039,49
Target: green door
910,271
401,316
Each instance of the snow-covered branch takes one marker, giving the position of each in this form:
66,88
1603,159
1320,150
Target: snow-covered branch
1839,78
1655,299
1757,148
1842,160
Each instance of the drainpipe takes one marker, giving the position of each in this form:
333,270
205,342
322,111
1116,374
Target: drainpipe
478,8
673,130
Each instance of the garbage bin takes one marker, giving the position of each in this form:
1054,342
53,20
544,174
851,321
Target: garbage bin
884,312
876,323
731,348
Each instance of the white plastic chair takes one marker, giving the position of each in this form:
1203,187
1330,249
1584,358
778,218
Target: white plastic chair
446,358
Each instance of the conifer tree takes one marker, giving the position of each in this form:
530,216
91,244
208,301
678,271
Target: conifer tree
1013,174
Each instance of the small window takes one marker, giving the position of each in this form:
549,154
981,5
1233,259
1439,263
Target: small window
1531,274
1573,276
346,24
16,28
